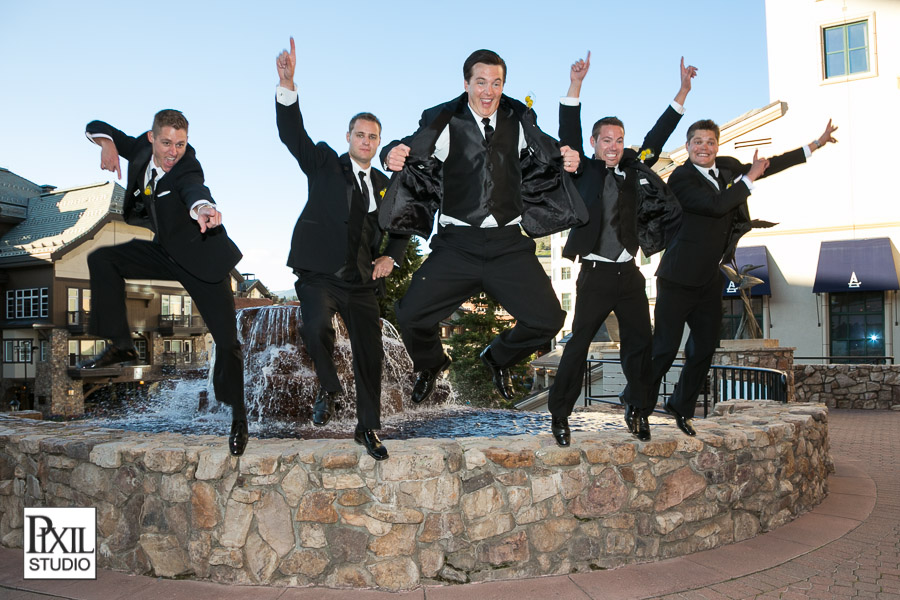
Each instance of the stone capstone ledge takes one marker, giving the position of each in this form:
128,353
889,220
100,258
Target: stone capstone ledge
322,512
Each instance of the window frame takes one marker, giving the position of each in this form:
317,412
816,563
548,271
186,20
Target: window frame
15,303
871,56
856,358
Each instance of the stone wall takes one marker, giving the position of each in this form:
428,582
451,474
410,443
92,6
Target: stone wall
849,386
300,512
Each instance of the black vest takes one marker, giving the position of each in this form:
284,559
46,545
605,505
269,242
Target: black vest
481,179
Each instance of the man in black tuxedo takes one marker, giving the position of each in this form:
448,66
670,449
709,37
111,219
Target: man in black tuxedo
713,192
335,253
166,193
483,162
609,279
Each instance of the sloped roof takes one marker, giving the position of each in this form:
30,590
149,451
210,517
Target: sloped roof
60,218
13,187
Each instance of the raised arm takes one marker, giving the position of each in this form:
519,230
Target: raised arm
285,64
288,118
577,73
570,115
823,139
687,73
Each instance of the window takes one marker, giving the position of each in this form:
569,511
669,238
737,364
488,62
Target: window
140,346
177,309
45,350
32,303
78,305
856,326
565,273
846,49
80,350
17,351
733,312
567,302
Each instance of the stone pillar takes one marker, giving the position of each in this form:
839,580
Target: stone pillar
66,395
763,354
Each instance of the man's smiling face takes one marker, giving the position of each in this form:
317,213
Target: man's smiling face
703,147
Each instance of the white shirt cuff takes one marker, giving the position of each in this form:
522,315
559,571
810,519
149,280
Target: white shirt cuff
196,207
747,182
285,96
806,151
570,101
677,107
93,136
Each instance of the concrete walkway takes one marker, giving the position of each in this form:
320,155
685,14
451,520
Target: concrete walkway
848,547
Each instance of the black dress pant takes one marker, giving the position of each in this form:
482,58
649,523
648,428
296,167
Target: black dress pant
140,259
321,296
604,287
466,261
701,309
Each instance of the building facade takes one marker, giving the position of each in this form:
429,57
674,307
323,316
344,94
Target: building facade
46,235
829,265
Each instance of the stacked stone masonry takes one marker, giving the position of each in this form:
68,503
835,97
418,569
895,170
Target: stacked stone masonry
849,386
322,512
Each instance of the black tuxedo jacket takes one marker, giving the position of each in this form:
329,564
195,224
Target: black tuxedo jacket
592,174
319,242
712,220
550,199
207,256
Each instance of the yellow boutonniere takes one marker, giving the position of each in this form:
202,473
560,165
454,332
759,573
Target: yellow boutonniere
647,153
728,185
529,100
147,191
381,193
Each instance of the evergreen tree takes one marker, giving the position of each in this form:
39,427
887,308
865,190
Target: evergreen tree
470,378
398,281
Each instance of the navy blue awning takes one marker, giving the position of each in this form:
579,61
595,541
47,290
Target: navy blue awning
857,266
751,255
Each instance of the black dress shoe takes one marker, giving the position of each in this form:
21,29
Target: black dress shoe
324,407
113,355
369,439
426,379
642,431
561,432
237,441
684,424
630,418
500,375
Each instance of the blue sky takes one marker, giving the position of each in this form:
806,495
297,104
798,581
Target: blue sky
63,64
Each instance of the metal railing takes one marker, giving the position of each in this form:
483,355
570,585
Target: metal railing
77,317
724,382
180,321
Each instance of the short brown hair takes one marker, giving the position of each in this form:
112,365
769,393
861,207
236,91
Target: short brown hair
606,121
365,116
485,57
169,117
703,124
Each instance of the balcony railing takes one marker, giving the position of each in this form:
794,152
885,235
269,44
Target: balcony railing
724,382
77,320
180,321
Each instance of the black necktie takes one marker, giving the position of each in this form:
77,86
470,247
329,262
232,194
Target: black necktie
364,188
619,178
488,130
142,201
151,185
719,179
